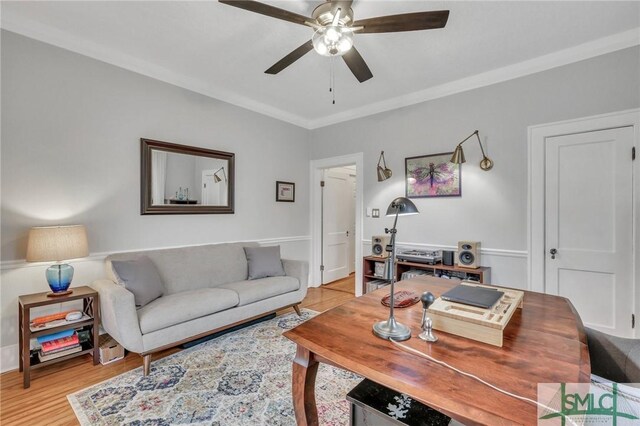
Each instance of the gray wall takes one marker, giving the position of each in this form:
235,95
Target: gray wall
71,154
71,129
181,173
493,206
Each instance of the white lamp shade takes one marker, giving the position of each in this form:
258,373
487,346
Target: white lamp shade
57,243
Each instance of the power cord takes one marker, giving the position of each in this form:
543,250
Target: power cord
484,382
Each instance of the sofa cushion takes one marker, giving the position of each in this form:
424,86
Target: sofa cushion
263,288
264,262
194,267
139,276
185,306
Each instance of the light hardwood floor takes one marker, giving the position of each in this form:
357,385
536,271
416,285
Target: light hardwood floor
45,402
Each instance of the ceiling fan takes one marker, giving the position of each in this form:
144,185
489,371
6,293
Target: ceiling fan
334,29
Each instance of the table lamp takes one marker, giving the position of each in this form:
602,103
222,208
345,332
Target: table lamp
391,329
57,243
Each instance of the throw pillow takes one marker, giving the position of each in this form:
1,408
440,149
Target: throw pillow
140,276
264,262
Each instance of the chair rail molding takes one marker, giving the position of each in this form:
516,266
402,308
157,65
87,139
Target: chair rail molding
21,263
523,254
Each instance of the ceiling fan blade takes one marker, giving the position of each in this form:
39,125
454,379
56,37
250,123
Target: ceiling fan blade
405,22
290,58
357,65
265,9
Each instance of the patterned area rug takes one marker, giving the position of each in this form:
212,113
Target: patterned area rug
242,378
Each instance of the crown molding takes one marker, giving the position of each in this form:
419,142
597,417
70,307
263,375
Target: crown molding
64,40
56,37
560,58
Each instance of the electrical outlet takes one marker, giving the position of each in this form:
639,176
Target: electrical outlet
375,213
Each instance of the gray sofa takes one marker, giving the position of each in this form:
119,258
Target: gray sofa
205,290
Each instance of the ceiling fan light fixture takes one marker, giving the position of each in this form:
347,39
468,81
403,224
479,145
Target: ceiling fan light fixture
332,40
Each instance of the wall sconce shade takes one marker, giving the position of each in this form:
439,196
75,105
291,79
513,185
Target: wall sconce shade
384,173
217,178
458,154
57,243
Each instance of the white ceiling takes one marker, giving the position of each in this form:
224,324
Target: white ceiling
222,51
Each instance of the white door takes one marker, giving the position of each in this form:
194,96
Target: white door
588,225
210,190
336,224
352,223
213,193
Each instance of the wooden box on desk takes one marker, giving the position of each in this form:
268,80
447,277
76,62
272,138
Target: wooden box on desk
483,325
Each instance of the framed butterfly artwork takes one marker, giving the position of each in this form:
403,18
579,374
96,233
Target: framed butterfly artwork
432,176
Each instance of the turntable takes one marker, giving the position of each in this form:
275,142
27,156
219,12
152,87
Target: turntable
420,256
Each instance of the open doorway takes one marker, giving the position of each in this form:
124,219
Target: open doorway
338,227
336,221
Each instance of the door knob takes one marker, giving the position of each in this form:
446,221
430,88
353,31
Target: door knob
553,253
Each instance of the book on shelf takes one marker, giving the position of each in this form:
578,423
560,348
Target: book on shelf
54,336
55,323
376,284
46,356
53,351
63,342
412,273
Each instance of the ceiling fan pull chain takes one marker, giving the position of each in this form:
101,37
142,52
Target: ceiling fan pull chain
330,75
333,82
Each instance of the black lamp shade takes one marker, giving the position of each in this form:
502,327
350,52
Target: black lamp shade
402,206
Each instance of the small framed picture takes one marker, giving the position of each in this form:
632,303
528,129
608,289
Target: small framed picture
285,191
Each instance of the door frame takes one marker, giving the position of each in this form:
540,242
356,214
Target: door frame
315,170
536,178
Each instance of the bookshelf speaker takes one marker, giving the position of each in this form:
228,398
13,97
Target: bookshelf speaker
469,254
379,245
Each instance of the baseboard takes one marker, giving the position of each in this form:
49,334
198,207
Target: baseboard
9,358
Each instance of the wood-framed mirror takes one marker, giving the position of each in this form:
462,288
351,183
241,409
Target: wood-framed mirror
180,179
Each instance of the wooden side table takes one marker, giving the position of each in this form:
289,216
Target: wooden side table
90,306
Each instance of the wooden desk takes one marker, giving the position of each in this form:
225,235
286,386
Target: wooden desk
543,343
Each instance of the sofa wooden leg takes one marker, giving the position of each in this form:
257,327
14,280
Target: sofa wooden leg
146,364
297,309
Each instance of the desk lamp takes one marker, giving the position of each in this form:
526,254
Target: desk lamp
58,243
391,329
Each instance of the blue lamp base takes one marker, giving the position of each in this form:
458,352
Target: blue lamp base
59,277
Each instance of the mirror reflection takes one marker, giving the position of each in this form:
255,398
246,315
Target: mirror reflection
181,179
184,179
